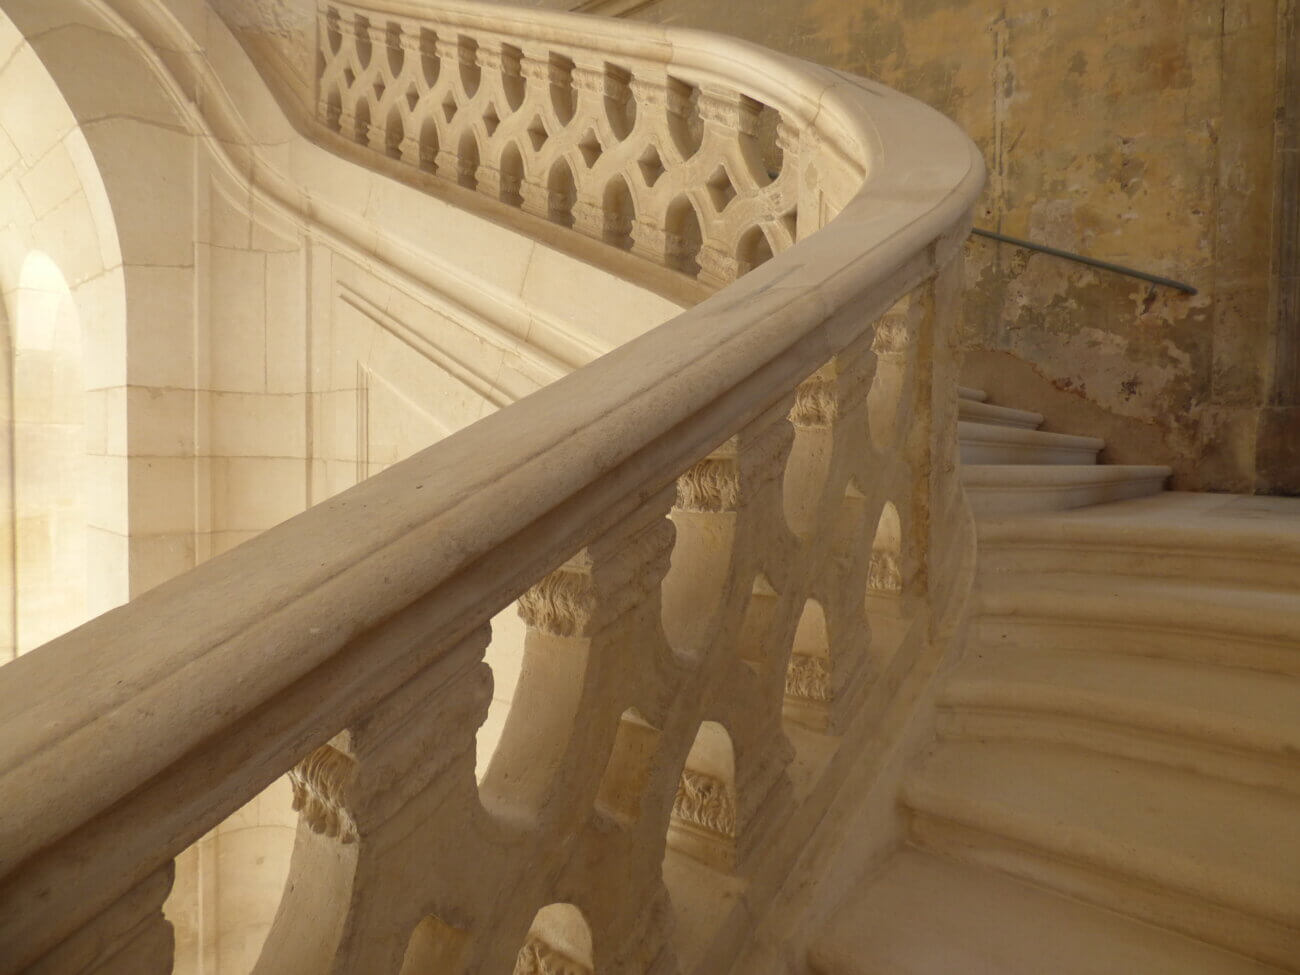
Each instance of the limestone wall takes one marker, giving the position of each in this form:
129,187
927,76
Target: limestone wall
1136,132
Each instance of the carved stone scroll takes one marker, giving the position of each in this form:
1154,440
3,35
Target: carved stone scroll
319,782
561,604
815,404
711,485
704,802
885,574
808,678
539,958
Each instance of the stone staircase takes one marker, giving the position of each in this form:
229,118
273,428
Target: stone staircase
1115,784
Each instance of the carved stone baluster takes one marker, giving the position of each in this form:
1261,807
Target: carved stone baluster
593,635
374,91
412,55
829,670
538,957
595,87
658,102
730,122
731,533
447,163
372,853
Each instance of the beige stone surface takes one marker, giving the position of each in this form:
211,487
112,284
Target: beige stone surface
316,333
627,676
1138,133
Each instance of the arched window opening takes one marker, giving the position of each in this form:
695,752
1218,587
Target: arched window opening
49,457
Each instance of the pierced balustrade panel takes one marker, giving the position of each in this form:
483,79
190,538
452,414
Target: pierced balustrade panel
699,178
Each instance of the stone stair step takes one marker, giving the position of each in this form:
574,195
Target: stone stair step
1239,725
979,412
977,395
926,915
989,443
1242,627
1212,859
1007,489
1238,539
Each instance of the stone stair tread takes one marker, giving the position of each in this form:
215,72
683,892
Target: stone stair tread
1051,475
993,444
1206,839
1237,708
1177,605
1003,415
1004,490
970,393
1171,520
926,915
972,430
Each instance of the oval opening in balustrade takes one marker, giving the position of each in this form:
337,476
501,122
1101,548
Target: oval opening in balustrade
636,743
701,844
361,35
394,132
885,604
684,122
620,106
563,102
886,574
685,237
429,145
512,78
620,214
467,162
471,75
512,175
559,943
545,649
393,48
703,823
361,122
754,644
754,249
563,194
430,63
435,948
809,685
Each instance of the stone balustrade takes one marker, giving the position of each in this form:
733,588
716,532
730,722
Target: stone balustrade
677,168
700,528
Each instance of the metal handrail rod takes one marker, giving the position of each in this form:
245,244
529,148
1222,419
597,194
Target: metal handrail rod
1090,261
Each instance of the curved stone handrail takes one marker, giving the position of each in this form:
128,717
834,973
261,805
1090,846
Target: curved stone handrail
336,629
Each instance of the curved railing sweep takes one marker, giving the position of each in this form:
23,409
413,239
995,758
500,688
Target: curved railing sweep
734,535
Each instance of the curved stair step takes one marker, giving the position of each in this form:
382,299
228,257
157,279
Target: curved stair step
975,395
1239,725
924,915
1006,489
1170,619
1212,859
980,412
988,443
1238,539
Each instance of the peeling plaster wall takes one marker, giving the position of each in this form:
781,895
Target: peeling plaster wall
1136,131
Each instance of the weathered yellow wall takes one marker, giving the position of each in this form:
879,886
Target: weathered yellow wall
1136,131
